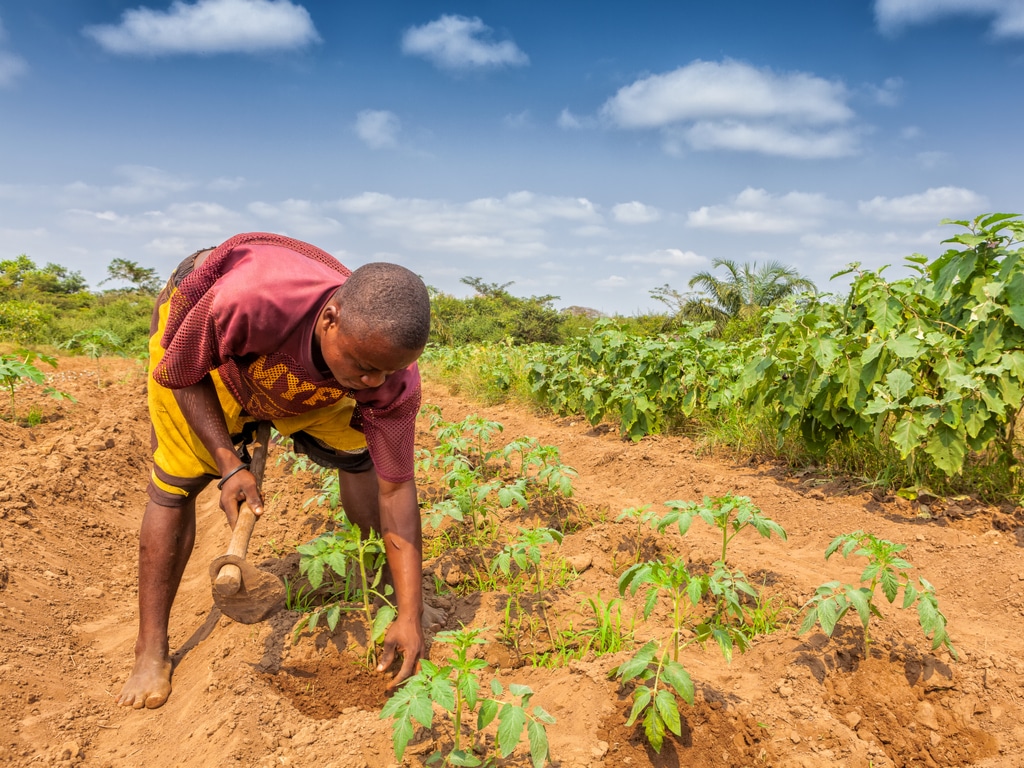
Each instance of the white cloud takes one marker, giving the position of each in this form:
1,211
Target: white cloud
209,222
911,132
519,225
768,139
635,213
932,159
704,90
931,205
293,215
567,121
208,27
141,184
517,120
378,128
735,106
888,93
666,256
1007,15
224,184
460,42
12,67
612,281
591,230
755,210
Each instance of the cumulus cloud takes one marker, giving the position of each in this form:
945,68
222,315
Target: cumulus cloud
12,67
518,225
887,94
932,159
378,128
735,106
730,89
635,213
195,221
755,210
673,257
225,184
517,120
208,27
931,205
768,139
295,216
894,15
141,184
459,43
569,122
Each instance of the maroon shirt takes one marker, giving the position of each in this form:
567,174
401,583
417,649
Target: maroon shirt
248,312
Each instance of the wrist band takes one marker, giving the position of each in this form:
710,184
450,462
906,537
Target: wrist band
231,474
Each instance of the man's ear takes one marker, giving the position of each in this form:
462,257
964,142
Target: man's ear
330,316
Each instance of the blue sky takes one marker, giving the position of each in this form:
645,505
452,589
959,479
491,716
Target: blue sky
593,151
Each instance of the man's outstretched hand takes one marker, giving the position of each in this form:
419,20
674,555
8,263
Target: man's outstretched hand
404,636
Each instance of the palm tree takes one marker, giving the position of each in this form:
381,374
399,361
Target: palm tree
747,288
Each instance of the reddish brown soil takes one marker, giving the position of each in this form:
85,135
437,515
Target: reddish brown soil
71,497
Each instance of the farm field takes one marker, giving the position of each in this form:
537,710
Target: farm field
72,494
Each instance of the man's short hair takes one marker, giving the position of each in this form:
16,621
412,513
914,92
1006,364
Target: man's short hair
386,299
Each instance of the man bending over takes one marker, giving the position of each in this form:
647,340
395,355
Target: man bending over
264,327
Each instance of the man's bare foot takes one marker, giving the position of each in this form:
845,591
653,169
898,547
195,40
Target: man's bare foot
149,684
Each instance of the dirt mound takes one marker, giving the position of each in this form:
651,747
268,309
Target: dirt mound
72,494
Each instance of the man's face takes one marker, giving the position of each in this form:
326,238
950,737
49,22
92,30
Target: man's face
362,362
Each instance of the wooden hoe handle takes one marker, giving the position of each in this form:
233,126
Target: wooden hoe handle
229,580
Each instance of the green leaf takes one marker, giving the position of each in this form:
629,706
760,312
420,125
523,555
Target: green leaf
538,743
641,698
511,720
401,735
381,622
823,350
905,346
860,598
543,716
519,691
461,757
828,615
885,313
315,573
654,729
948,448
809,620
908,434
488,711
675,675
333,615
890,585
639,662
668,710
421,709
469,686
899,383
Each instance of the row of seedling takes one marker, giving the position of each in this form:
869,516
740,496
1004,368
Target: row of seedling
474,476
476,481
738,608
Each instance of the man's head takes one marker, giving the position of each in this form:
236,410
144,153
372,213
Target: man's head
376,323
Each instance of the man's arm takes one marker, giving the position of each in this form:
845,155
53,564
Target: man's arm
403,545
201,408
